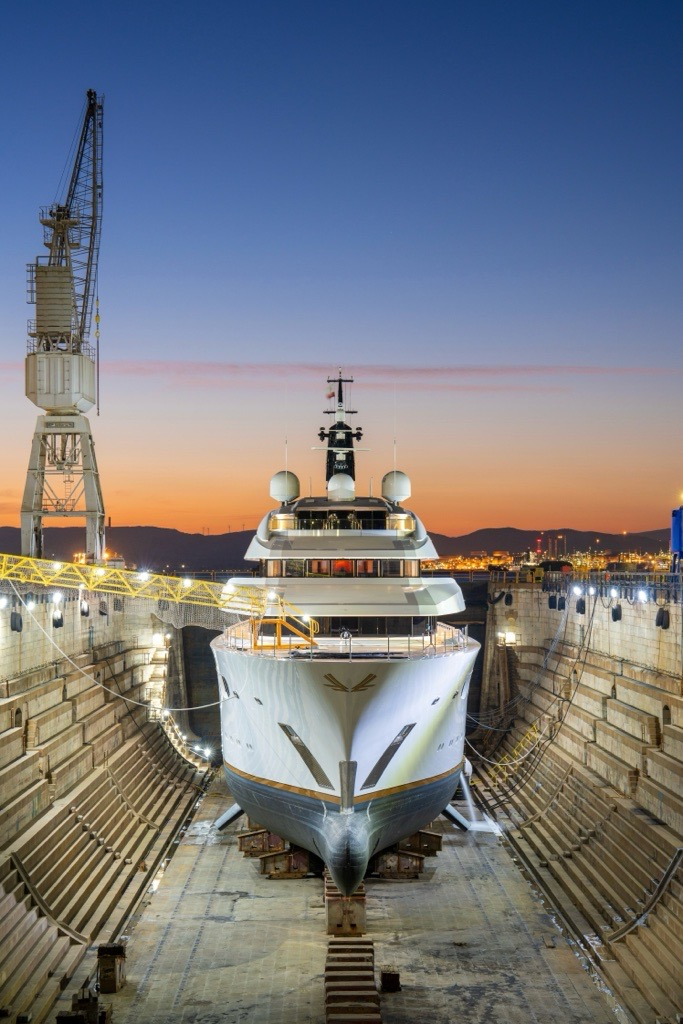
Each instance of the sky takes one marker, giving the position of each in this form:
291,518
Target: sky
472,207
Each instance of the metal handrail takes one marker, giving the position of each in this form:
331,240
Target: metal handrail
447,640
662,886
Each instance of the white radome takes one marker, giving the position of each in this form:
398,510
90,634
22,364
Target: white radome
284,486
341,487
396,486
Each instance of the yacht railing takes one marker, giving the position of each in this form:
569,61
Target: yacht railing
444,640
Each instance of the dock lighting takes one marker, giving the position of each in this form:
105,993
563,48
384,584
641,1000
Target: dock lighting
57,618
143,576
157,639
56,566
81,586
207,751
591,591
272,596
614,592
510,639
187,583
100,571
642,596
306,618
577,591
57,597
30,604
3,602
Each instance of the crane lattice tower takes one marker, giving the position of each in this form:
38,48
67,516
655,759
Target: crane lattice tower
61,364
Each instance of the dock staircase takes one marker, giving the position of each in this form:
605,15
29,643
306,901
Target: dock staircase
87,811
581,815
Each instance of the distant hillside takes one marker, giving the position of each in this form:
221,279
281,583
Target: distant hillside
153,547
508,538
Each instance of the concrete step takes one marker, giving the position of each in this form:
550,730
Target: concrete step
97,898
672,923
639,966
42,977
587,900
628,993
10,916
25,957
666,952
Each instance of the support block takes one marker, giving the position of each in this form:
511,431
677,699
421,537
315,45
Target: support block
398,864
292,863
424,842
253,844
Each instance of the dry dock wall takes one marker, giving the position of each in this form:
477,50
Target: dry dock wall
91,790
587,774
611,691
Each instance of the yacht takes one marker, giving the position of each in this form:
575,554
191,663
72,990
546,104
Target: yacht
343,697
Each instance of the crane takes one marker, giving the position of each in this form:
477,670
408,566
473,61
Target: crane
61,363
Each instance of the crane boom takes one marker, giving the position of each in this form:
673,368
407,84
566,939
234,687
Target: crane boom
85,198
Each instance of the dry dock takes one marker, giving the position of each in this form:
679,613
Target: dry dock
217,942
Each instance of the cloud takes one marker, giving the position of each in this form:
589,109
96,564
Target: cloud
522,378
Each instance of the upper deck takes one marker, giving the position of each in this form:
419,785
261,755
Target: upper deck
361,528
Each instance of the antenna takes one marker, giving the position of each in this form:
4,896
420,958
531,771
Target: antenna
394,426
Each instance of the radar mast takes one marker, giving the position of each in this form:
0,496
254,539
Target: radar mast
340,436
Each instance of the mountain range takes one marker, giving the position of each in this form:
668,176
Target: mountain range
160,549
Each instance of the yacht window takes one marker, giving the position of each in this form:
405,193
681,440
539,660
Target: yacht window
392,567
294,567
367,567
319,567
273,567
412,567
342,567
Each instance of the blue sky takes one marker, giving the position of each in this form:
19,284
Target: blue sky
480,201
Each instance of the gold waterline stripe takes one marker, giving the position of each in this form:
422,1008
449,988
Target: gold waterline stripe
316,794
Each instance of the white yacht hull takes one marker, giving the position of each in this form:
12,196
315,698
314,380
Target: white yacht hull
342,756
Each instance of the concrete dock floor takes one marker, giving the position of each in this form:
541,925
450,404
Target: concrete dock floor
217,942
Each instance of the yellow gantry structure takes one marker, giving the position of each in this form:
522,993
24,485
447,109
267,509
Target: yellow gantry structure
243,600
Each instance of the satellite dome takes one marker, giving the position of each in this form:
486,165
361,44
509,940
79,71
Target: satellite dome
284,486
341,487
395,486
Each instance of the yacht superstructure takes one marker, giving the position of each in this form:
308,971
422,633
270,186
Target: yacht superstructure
343,717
